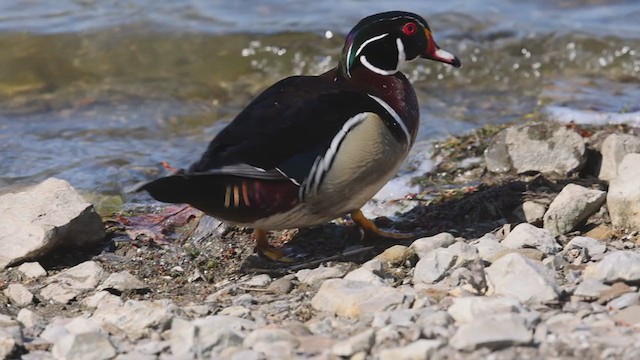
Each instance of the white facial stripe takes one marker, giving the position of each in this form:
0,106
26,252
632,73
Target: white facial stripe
369,41
444,54
395,116
348,62
376,70
402,57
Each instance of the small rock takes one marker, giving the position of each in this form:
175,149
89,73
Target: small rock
102,298
314,344
571,208
28,318
84,346
37,355
593,246
245,354
44,217
600,232
18,294
493,333
235,311
10,340
614,148
533,254
623,199
32,270
525,279
282,285
464,253
528,236
81,325
357,343
353,298
136,318
488,247
533,211
268,335
260,281
432,267
629,316
613,292
121,282
417,350
59,293
85,276
275,349
317,275
397,254
55,330
623,301
365,275
615,266
590,289
548,148
200,337
424,246
469,309
134,355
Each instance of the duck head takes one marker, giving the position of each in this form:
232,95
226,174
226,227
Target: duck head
382,42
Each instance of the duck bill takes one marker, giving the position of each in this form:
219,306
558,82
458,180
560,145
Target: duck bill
434,52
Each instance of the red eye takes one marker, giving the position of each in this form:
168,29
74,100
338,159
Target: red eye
409,28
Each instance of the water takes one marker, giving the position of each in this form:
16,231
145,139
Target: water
99,93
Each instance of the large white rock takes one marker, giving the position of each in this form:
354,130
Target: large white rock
47,216
522,278
424,246
493,333
136,318
615,266
572,207
353,298
468,309
623,199
614,148
434,266
528,236
84,346
540,147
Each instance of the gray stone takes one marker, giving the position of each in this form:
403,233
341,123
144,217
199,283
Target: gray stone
424,246
19,294
522,278
624,300
417,350
365,275
629,316
590,289
152,346
357,343
136,318
245,354
623,199
32,270
200,337
44,217
122,281
614,148
571,208
317,275
268,335
102,298
353,298
85,276
488,247
494,333
235,311
434,266
615,266
464,253
533,211
81,325
468,309
10,340
528,236
397,254
281,286
261,280
28,318
276,349
6,321
548,148
55,330
593,246
37,355
59,293
134,355
84,346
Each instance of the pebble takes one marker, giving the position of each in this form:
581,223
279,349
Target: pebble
121,282
354,298
102,298
426,245
319,274
281,286
417,350
18,294
494,333
361,342
522,278
84,346
136,318
32,270
593,246
623,198
204,336
528,236
260,281
571,208
433,267
365,275
268,335
468,309
615,266
397,254
235,311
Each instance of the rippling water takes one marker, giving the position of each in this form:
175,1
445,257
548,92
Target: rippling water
100,92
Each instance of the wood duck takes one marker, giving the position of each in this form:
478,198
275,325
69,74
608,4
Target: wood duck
310,149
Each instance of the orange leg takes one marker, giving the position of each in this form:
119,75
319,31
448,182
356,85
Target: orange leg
263,247
372,231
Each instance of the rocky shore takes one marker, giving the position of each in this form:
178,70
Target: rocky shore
526,248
